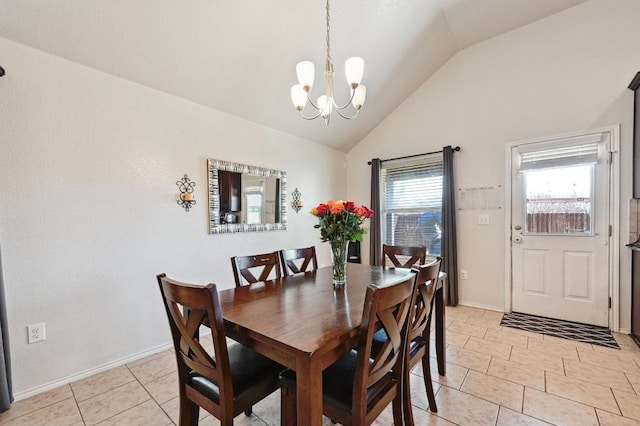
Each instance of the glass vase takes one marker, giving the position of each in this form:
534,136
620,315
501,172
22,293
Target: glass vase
339,262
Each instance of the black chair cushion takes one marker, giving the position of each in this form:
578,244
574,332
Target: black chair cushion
380,338
248,369
337,382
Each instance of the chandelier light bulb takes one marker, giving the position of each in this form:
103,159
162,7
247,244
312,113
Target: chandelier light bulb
322,102
306,74
353,69
325,105
359,95
299,97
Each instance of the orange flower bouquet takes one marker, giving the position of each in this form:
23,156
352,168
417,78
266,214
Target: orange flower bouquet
340,222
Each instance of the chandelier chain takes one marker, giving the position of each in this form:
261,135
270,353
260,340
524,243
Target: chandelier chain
328,38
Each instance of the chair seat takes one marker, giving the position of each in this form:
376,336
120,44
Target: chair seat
337,382
248,369
380,338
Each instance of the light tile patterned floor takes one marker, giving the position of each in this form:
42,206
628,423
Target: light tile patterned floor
495,376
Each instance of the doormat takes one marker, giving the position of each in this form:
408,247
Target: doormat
558,328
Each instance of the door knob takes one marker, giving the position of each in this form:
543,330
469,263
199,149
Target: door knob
517,239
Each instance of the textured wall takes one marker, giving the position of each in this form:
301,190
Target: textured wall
88,213
565,73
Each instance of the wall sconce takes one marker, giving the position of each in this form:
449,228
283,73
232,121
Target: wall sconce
296,203
185,185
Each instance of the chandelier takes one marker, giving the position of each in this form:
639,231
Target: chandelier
326,104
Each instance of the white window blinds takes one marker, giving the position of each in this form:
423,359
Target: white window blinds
562,154
413,186
412,202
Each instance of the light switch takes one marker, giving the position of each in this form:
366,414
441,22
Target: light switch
483,219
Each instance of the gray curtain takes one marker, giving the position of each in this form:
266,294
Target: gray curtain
375,247
6,391
449,234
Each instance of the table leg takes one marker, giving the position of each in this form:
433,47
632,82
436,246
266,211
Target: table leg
309,393
441,339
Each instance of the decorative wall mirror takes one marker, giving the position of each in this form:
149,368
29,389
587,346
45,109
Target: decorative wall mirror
245,198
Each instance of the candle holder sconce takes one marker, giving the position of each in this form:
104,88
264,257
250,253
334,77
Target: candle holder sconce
185,186
296,203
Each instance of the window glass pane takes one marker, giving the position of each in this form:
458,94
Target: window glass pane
412,203
254,208
558,201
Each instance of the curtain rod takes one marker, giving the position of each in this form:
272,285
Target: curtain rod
457,148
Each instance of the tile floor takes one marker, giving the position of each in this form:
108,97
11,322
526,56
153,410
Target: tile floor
495,376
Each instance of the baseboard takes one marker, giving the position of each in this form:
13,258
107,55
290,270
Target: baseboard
479,306
75,377
624,331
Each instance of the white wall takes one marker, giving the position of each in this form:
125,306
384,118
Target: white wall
565,73
88,213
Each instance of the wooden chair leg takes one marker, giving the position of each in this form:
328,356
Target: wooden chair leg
398,409
428,384
288,413
407,409
189,412
248,411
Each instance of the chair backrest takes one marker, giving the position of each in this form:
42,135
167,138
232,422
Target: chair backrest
415,255
264,263
188,307
353,252
426,282
295,261
385,308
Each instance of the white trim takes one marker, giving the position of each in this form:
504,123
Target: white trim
479,306
104,367
614,221
614,214
507,226
624,331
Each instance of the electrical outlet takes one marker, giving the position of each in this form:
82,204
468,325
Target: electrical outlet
483,219
463,274
36,332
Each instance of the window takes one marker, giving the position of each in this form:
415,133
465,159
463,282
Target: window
559,200
254,200
559,189
412,202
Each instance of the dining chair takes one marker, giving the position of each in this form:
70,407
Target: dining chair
295,261
419,335
226,383
356,389
414,254
353,252
265,264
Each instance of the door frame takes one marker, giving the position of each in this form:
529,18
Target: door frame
613,216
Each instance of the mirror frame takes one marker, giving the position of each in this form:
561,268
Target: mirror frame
215,227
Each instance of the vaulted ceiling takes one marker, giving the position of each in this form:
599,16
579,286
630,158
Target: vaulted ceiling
239,56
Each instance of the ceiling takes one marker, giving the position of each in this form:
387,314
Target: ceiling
239,56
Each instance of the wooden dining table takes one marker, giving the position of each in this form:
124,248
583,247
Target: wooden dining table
304,324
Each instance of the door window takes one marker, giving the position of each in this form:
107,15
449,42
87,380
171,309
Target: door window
559,200
558,188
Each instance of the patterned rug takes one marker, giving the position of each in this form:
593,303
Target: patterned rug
559,328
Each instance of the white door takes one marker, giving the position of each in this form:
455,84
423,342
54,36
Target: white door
560,228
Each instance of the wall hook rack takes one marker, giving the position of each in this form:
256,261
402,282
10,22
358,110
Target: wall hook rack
185,186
